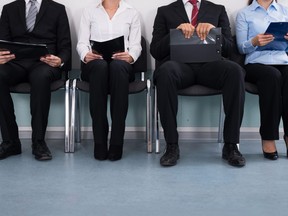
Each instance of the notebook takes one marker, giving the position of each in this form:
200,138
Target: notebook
108,48
24,50
194,50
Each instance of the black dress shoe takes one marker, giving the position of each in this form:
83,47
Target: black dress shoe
115,152
171,155
41,151
100,151
231,153
9,148
270,155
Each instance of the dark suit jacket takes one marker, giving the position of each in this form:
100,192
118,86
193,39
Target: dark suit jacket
51,27
172,15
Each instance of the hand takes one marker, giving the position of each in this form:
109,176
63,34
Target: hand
90,56
203,29
187,29
5,57
262,39
53,61
123,56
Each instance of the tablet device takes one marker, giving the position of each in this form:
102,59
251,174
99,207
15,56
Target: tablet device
108,48
193,49
24,50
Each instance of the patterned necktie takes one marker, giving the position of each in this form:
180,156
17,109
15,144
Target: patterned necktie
194,12
31,17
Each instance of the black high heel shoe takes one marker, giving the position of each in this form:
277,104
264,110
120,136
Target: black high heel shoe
270,155
284,137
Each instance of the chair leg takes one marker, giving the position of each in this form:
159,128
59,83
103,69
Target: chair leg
156,123
72,127
77,116
221,122
148,118
67,116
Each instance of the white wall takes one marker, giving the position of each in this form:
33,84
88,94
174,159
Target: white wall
147,8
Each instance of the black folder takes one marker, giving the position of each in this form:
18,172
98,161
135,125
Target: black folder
24,50
108,48
193,49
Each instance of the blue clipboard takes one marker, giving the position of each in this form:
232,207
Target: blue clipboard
278,30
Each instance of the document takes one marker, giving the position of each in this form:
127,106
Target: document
108,48
278,30
193,49
24,50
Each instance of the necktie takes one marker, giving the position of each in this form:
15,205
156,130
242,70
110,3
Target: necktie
194,12
31,17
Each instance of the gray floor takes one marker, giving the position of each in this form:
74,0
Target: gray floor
201,184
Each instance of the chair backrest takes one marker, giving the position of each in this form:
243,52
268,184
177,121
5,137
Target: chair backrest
141,64
240,59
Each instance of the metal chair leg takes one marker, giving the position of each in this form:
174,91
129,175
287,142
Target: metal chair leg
148,118
156,123
67,116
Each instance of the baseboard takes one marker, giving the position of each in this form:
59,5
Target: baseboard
185,133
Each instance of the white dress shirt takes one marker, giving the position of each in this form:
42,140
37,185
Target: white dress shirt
189,7
96,25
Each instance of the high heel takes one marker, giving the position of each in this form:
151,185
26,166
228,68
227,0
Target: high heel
270,155
284,137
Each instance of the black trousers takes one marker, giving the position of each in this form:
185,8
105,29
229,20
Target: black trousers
108,78
225,75
40,76
272,84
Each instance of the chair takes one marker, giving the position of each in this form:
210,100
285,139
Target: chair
137,86
63,83
194,90
240,59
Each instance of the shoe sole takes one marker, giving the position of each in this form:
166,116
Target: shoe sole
166,164
6,156
235,165
43,158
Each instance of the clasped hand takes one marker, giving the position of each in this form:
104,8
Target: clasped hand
202,29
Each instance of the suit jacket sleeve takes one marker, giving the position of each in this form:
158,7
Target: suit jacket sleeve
159,47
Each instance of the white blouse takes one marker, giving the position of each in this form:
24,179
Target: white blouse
96,25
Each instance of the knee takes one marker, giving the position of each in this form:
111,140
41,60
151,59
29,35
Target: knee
97,69
235,72
120,69
165,73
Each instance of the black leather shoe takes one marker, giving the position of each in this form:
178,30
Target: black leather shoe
231,153
115,152
9,148
271,155
171,155
41,151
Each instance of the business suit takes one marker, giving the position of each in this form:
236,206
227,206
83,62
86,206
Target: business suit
52,28
171,76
